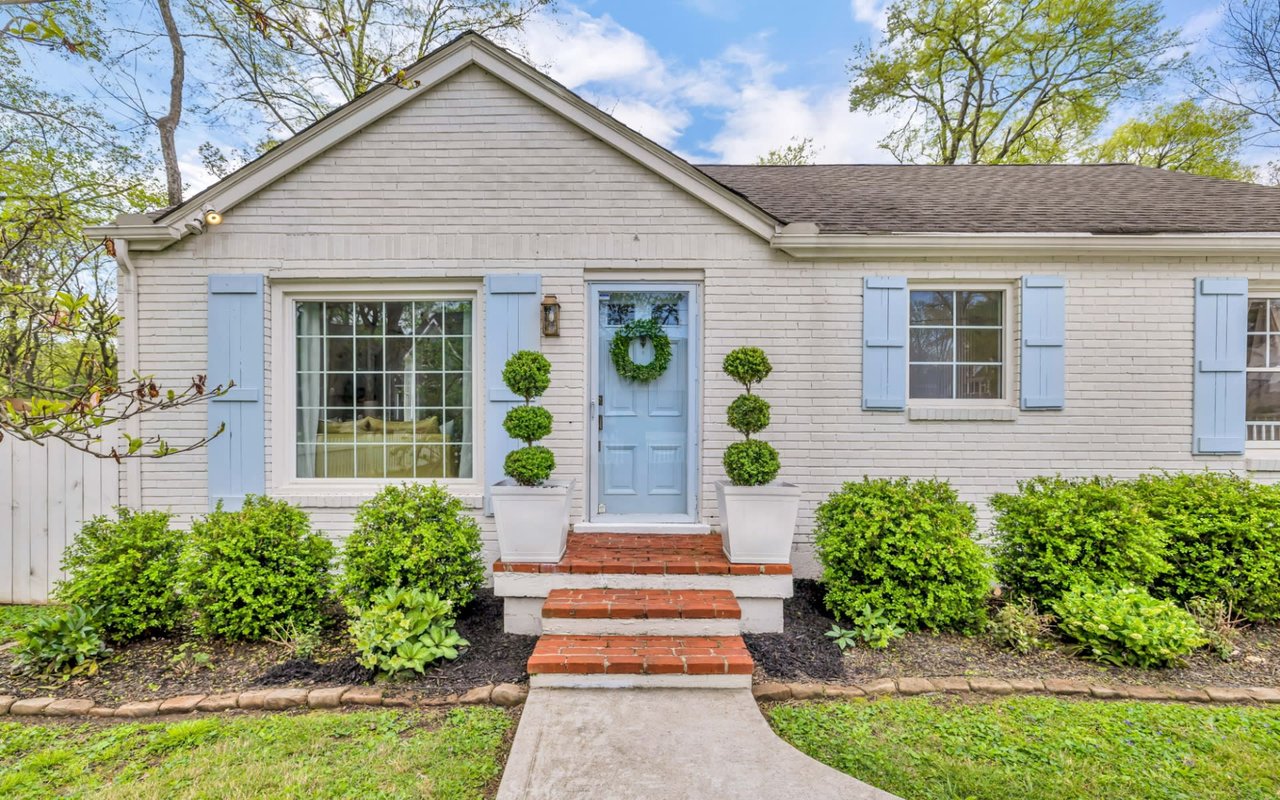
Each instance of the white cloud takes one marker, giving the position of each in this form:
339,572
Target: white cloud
871,12
580,49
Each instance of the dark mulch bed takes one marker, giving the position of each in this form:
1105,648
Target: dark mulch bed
148,669
803,653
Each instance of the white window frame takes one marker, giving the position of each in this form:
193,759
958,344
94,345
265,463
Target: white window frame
1009,354
284,355
1259,291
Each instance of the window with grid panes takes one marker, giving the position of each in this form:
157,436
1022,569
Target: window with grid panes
956,345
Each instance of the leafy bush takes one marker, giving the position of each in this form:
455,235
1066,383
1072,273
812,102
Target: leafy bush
415,536
903,547
748,366
1127,626
749,413
405,629
871,627
1056,533
1223,539
247,571
749,462
62,642
528,374
128,568
1019,626
1219,623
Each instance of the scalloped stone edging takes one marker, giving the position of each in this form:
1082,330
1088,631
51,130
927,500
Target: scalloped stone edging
773,691
284,698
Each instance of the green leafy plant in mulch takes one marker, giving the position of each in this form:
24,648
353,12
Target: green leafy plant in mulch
1019,626
247,571
404,629
1222,536
416,536
906,549
528,374
751,462
127,568
943,748
325,756
63,642
1055,533
1127,626
870,628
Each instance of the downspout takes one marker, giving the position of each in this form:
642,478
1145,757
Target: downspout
129,362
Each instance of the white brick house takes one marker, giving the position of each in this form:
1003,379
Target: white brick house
979,324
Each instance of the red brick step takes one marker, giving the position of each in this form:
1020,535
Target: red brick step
641,604
644,554
640,656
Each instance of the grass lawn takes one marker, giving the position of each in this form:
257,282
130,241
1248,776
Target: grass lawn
374,754
14,618
1040,747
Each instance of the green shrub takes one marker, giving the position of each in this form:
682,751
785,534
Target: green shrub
870,627
905,548
247,571
1019,626
414,536
1127,626
128,568
527,423
749,413
751,463
1223,539
1055,533
528,374
404,629
748,366
63,642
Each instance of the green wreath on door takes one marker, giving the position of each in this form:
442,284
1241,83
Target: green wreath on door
620,351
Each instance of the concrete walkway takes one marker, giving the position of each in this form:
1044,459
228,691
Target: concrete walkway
668,743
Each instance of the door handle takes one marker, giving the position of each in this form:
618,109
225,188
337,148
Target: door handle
600,413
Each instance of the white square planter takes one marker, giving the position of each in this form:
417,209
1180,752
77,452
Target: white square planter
532,521
759,522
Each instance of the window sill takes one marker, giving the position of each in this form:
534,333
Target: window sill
1262,462
344,494
962,413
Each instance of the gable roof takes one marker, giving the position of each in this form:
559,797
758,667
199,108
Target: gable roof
160,229
1033,198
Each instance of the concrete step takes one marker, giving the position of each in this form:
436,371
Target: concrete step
581,662
643,561
641,612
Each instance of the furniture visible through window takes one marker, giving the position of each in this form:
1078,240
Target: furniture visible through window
957,345
384,389
1262,377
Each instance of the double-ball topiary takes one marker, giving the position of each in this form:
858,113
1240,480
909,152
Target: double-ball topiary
750,462
528,374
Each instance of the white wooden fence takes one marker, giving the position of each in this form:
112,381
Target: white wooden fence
45,494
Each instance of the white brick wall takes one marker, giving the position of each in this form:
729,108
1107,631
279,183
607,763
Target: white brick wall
476,178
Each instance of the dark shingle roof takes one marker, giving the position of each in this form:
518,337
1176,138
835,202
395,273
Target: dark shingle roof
1032,198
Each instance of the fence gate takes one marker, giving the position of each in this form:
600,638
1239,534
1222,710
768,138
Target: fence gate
45,494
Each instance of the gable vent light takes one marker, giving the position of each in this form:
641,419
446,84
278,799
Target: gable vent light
211,216
550,316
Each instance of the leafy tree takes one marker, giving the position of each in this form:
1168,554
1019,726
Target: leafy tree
797,152
1000,81
1184,137
296,60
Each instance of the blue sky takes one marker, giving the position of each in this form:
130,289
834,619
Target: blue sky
714,80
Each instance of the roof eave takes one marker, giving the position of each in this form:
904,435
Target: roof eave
867,246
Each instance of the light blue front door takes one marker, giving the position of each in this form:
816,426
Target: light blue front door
644,437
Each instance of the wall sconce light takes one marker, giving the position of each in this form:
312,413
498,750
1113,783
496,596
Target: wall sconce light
211,216
550,316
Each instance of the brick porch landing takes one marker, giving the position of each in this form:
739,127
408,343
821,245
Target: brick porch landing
644,554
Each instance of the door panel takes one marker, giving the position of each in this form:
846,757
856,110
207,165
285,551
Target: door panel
645,429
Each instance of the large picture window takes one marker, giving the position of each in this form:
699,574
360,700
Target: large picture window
957,345
384,389
1262,378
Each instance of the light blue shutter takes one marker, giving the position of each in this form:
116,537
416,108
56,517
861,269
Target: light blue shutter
884,340
237,456
1221,307
511,323
1044,333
